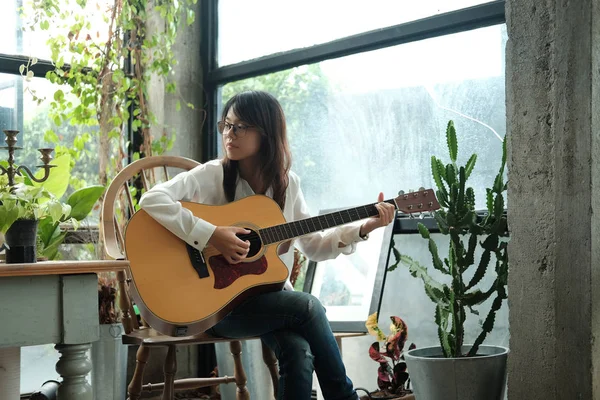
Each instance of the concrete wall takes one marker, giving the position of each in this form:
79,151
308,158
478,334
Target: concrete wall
552,108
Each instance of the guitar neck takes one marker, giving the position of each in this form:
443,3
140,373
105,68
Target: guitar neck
291,230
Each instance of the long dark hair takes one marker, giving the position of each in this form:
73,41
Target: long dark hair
262,110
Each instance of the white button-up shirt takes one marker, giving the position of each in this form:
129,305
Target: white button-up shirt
204,184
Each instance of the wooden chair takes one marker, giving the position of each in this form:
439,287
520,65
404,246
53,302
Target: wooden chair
114,216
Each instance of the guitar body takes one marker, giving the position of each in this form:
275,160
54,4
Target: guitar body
181,293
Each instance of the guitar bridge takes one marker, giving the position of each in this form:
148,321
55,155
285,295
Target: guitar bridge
197,261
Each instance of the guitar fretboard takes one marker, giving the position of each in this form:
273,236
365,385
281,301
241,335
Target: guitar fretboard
290,230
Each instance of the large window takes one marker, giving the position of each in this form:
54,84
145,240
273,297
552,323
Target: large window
370,122
365,114
251,29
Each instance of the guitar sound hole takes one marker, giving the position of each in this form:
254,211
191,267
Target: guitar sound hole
255,243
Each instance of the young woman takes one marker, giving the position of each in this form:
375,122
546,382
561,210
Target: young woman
257,161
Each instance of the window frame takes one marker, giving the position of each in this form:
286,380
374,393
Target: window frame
475,17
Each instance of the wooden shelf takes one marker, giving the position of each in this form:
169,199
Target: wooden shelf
62,267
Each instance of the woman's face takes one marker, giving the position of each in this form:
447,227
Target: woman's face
240,139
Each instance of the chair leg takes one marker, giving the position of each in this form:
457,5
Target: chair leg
170,369
235,347
134,390
271,363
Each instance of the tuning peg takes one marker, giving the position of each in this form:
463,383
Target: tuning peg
421,189
401,192
421,215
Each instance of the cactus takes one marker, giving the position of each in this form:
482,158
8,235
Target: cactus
458,220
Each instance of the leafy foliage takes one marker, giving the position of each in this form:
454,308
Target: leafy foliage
105,69
391,378
458,220
42,201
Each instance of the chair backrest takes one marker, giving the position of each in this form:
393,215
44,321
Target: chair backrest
118,206
114,216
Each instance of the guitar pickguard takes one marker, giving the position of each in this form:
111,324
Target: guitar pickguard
226,274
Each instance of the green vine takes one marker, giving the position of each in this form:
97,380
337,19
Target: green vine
105,70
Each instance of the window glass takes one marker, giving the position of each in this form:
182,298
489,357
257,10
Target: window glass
19,14
251,29
370,122
19,110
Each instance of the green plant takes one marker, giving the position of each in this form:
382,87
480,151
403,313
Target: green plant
459,221
28,202
391,379
42,201
105,67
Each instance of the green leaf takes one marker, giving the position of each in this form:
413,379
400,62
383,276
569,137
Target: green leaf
481,269
441,222
51,250
452,142
450,174
423,231
47,229
56,210
435,172
433,289
437,262
470,165
489,201
83,200
499,206
476,297
59,95
441,318
58,180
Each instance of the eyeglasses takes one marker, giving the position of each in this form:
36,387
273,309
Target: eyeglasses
239,130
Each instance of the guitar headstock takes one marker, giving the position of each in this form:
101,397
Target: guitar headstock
422,200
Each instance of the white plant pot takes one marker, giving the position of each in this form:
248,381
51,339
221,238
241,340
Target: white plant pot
434,377
109,364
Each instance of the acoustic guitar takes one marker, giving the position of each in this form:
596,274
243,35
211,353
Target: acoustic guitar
181,291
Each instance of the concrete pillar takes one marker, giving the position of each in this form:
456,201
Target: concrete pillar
187,76
552,120
187,123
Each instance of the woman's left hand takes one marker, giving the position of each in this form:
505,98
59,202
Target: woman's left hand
387,213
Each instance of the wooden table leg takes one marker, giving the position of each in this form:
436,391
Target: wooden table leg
10,373
74,366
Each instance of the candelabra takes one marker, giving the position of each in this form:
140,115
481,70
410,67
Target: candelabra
12,170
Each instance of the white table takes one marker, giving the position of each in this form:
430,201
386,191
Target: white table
50,302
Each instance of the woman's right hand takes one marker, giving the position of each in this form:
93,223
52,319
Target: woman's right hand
233,248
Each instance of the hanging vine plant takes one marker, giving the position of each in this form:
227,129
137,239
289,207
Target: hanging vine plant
105,58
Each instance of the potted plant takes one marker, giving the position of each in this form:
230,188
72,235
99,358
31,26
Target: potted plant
392,376
23,206
454,370
33,216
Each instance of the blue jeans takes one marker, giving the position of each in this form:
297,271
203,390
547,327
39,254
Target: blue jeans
294,326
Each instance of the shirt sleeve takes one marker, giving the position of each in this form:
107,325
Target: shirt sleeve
163,203
326,245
